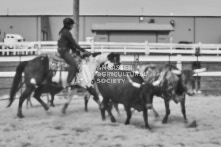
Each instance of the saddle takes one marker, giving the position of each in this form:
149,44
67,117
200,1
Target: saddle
57,58
57,63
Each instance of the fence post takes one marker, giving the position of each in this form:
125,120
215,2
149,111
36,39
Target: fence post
14,49
3,50
179,62
7,51
39,48
125,50
171,43
92,45
147,48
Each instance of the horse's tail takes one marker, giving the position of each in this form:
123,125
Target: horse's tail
17,79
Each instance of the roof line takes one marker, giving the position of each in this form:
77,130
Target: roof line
96,15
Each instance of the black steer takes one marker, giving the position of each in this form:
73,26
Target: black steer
115,86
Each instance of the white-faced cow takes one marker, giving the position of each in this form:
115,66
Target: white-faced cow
170,84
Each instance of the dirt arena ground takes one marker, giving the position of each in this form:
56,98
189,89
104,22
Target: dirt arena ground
86,129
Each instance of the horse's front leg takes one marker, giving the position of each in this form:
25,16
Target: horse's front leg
155,112
25,94
183,108
37,96
86,99
167,107
93,92
52,100
28,102
68,100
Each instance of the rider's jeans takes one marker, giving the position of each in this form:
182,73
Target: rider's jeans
68,58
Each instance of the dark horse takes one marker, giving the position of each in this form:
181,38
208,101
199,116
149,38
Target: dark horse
36,73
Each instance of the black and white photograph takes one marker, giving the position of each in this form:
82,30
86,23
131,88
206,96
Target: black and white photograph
110,73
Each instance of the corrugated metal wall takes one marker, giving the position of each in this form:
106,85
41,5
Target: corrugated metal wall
184,27
192,29
208,30
25,26
132,36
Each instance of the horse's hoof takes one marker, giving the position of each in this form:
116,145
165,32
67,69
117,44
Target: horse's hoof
20,116
148,127
63,111
193,124
46,108
113,120
64,108
164,121
52,105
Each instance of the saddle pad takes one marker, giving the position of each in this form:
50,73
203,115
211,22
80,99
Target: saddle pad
56,63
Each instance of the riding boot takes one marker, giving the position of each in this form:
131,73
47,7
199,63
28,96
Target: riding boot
71,74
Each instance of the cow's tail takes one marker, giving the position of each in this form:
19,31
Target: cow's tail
16,81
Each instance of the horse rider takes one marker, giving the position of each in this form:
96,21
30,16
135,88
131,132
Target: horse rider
65,43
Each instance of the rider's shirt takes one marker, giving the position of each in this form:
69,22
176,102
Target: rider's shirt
67,42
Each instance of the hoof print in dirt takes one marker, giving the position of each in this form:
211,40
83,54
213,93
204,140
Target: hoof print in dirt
193,124
59,128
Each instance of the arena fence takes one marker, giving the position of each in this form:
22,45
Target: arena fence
28,48
130,52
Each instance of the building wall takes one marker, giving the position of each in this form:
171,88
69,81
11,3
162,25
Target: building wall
208,29
184,26
56,23
89,20
132,36
192,29
25,26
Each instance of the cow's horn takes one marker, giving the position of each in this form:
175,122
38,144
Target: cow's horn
137,85
156,83
137,72
177,72
199,70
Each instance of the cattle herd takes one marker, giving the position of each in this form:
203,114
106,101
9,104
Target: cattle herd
133,89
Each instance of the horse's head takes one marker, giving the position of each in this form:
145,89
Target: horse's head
114,58
112,61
